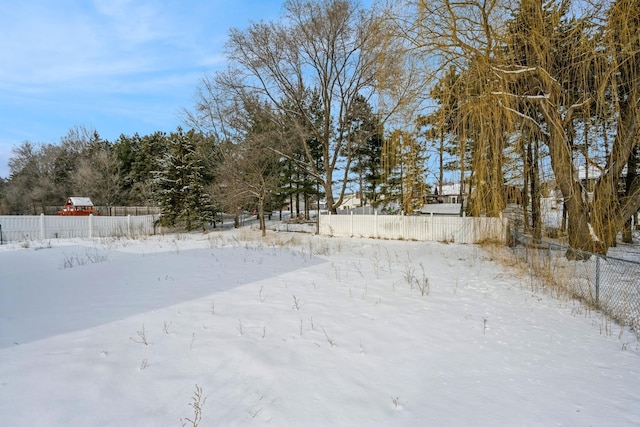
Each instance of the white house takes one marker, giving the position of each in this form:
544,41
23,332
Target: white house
450,193
350,201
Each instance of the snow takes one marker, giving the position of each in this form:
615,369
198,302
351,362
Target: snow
299,330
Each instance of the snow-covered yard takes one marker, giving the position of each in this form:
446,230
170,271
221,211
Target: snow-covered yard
298,330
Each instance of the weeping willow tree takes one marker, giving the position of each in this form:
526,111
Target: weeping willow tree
568,76
461,38
539,70
486,130
620,88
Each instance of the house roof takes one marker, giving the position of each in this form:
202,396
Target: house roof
80,201
448,189
441,209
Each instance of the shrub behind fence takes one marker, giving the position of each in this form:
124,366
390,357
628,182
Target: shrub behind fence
106,210
46,227
608,283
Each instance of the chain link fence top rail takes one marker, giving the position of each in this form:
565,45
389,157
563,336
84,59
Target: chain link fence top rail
608,283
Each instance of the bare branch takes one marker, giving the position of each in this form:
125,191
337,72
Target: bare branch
543,96
526,117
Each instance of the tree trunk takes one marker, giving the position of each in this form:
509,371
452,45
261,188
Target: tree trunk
328,192
462,183
441,165
525,190
610,215
497,200
536,216
306,206
627,231
261,220
580,233
632,177
298,195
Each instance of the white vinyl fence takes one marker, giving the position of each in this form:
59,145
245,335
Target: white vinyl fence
46,227
451,229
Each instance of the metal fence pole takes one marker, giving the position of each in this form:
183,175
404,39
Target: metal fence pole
1,241
597,280
614,286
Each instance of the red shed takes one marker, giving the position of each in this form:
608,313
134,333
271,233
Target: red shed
78,206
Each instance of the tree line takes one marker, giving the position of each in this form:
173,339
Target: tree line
335,98
190,175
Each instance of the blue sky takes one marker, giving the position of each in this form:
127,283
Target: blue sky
116,66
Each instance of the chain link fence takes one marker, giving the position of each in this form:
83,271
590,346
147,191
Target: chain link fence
608,283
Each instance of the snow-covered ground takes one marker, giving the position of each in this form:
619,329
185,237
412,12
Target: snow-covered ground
298,330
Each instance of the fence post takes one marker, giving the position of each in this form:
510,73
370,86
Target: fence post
375,224
41,226
328,218
90,226
1,242
432,227
597,280
129,225
351,224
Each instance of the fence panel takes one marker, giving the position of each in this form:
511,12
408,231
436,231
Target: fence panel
608,283
45,227
618,290
389,227
422,228
75,227
18,228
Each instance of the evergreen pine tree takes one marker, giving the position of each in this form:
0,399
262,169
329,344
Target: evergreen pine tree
179,184
367,161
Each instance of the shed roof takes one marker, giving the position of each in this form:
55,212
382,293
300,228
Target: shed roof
79,201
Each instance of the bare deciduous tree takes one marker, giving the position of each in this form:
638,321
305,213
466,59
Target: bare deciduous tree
337,49
249,171
97,175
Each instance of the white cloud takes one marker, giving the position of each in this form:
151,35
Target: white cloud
82,48
134,23
121,66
